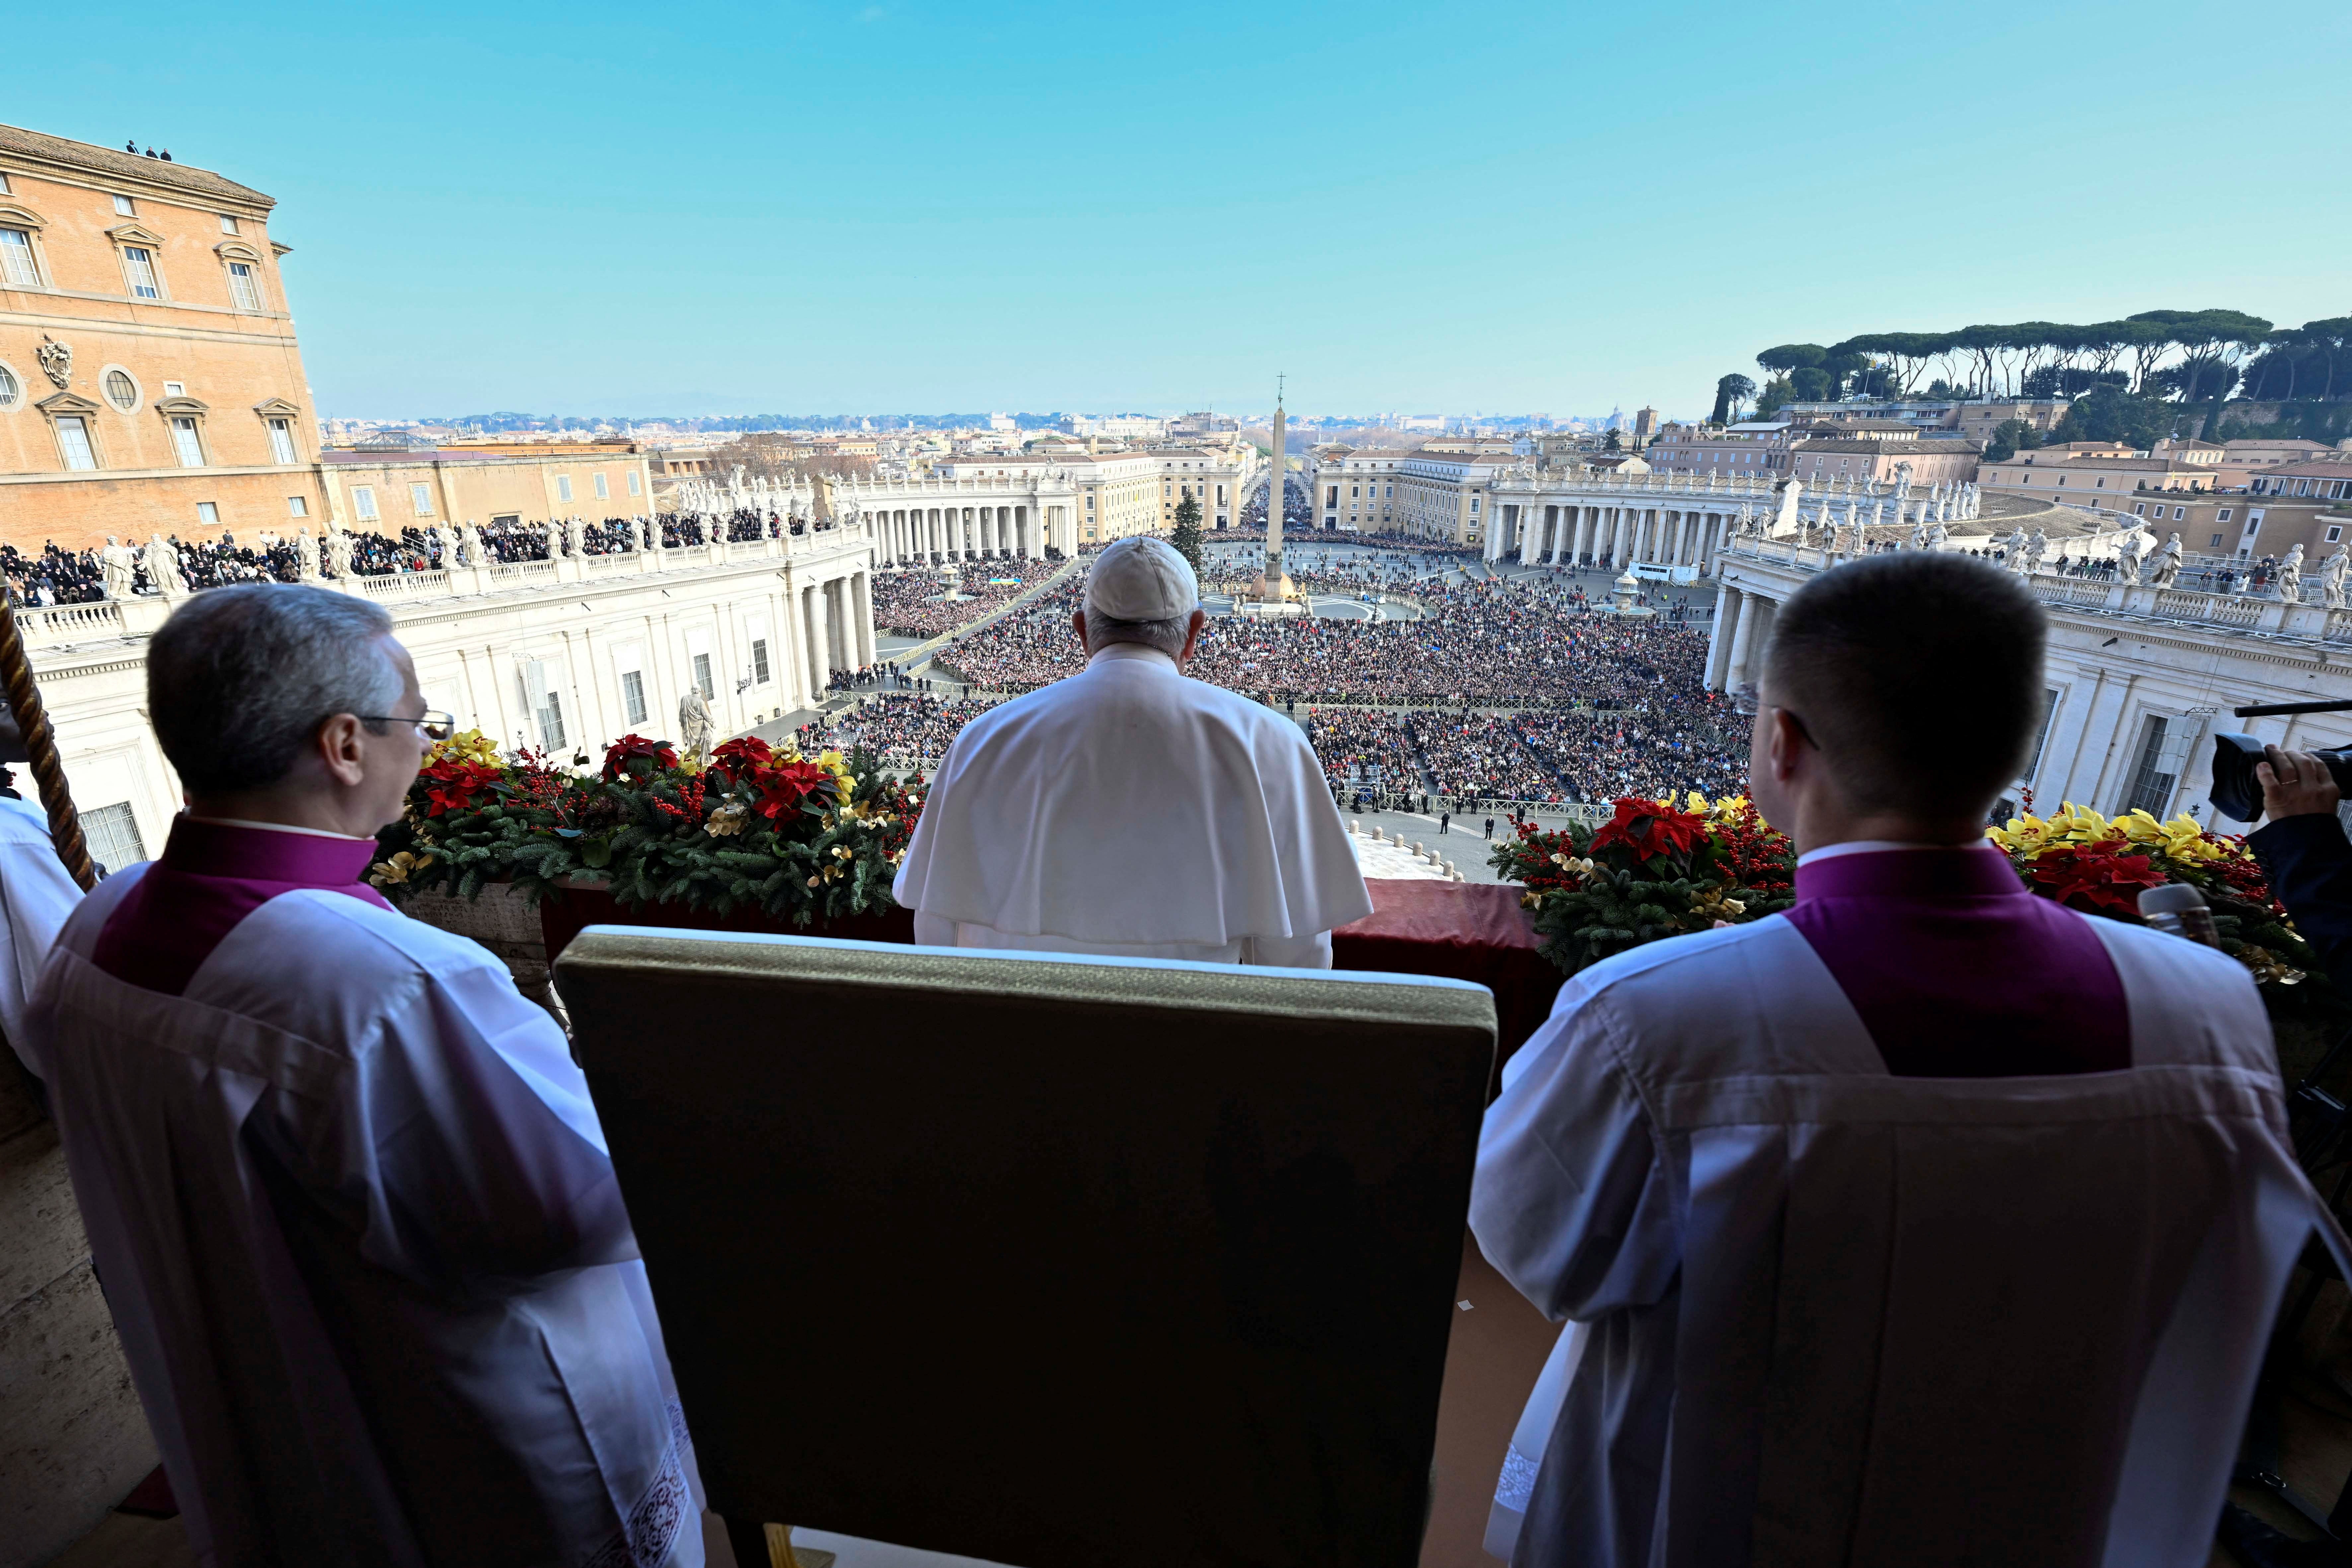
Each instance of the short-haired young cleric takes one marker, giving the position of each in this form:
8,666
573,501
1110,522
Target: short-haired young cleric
1928,1223
345,1188
1130,811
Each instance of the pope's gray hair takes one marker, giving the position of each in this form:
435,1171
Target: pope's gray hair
239,679
1167,635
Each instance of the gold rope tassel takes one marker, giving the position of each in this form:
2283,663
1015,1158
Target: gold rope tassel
41,744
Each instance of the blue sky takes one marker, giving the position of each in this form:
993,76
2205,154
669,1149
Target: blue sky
892,207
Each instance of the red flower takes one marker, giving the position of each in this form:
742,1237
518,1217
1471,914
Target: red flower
1649,830
629,748
2092,880
782,788
735,760
454,785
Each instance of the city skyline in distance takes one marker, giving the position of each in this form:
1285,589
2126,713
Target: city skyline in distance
848,209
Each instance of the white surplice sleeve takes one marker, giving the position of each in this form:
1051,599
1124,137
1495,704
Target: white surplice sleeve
1572,1200
468,1148
37,895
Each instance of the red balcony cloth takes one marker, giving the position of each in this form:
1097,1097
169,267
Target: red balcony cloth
1458,931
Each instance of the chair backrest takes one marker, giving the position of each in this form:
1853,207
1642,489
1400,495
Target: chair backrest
1055,1261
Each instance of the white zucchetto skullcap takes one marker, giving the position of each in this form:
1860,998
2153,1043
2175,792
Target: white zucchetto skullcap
1142,579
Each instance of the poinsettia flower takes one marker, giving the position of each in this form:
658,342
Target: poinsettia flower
735,760
782,789
1649,830
452,785
629,749
2096,881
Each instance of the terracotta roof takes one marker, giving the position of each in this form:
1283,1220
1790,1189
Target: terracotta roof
2324,468
1900,451
121,165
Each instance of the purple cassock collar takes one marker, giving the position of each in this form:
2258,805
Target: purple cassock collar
1958,971
211,876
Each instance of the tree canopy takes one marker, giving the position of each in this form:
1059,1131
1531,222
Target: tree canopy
2188,356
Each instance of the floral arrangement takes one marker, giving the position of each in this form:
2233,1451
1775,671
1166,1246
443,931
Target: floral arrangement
1653,870
752,828
1657,869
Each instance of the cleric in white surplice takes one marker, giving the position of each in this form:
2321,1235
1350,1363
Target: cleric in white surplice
345,1187
1132,811
1929,1223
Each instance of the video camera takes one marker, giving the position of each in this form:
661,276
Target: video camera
2236,793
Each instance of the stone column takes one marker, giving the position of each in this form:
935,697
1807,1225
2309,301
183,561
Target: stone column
1718,638
1743,637
812,649
861,612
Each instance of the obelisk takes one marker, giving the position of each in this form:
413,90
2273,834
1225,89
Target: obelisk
1272,587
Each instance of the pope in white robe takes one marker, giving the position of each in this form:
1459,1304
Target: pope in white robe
1130,811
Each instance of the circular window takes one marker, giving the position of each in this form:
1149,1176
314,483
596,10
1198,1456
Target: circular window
121,390
12,391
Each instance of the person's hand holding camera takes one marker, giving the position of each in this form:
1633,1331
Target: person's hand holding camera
2295,784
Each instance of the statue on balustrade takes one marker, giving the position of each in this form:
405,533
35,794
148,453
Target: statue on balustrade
2290,576
306,555
1935,535
576,537
118,566
339,550
2012,551
696,727
2035,549
477,555
164,568
445,538
2129,550
650,536
2164,566
2332,572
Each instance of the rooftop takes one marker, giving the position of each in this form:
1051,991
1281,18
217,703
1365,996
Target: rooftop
115,163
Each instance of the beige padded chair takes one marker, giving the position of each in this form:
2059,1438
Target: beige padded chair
1060,1262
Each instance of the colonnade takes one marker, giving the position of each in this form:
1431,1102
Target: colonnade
1735,648
836,617
1574,534
924,535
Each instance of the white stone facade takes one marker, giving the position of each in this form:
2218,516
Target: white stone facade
2139,679
565,655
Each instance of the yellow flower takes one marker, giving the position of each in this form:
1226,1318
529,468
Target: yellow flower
2267,966
398,869
466,746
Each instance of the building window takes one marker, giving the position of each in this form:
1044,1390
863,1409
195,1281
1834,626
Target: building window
2180,514
2214,543
702,676
363,502
175,389
241,288
139,269
563,486
2334,536
121,390
281,442
111,834
186,445
73,439
11,389
208,513
420,500
760,661
2152,789
603,491
2223,515
546,703
228,223
633,696
636,485
297,506
16,259
123,208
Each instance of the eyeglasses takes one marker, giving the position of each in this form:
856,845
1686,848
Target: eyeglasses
432,725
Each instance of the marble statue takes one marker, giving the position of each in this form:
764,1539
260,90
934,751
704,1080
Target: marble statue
2290,575
2035,549
339,551
445,538
477,555
164,568
306,555
576,537
118,566
695,724
2165,564
2012,551
2129,549
1935,535
2332,572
